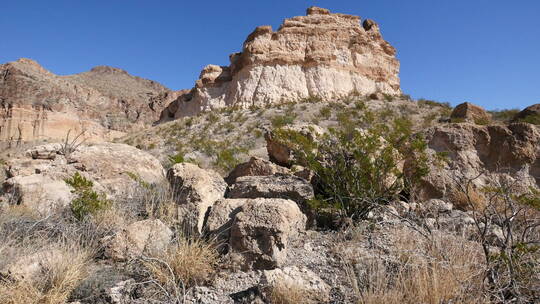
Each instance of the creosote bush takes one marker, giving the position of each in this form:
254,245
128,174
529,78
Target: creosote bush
87,201
358,170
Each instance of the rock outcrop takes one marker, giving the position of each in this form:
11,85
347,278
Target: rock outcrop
104,102
196,190
114,169
468,112
261,231
145,237
486,154
530,114
321,55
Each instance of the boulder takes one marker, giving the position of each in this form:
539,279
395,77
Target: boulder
147,237
261,231
311,285
272,186
32,266
196,190
221,216
48,151
468,112
255,167
530,114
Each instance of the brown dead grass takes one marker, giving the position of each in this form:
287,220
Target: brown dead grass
444,269
54,285
187,263
283,293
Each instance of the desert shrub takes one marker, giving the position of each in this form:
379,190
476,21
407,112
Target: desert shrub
226,159
357,170
87,201
532,119
503,115
283,120
325,112
187,263
176,158
431,103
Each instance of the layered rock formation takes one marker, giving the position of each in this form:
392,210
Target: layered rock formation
320,55
37,104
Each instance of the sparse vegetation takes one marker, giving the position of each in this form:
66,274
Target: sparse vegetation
87,201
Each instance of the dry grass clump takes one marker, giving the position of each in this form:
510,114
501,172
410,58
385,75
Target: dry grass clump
59,276
469,199
282,293
187,263
443,269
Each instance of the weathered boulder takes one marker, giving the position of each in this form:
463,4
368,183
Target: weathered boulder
486,154
280,152
468,112
196,190
310,284
145,237
529,114
32,266
261,231
255,167
321,55
114,169
272,186
220,218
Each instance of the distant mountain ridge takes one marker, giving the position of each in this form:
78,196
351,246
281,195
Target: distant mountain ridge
104,102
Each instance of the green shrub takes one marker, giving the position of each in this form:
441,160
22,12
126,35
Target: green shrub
357,171
87,201
226,159
326,112
283,120
503,115
532,119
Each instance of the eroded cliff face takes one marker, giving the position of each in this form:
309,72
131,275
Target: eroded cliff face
104,102
320,55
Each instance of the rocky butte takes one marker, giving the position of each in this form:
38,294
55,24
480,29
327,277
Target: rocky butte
321,55
104,102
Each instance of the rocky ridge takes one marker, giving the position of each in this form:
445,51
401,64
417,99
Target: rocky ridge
320,55
105,102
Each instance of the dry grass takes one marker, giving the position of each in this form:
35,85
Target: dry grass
445,269
283,293
186,263
470,199
55,282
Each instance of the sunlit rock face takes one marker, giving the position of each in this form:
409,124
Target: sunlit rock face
321,55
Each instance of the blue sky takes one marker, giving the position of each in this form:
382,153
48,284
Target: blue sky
483,51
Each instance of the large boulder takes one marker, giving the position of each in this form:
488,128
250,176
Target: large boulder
486,155
468,112
196,190
37,179
261,231
530,114
255,167
147,237
325,56
32,266
272,186
220,219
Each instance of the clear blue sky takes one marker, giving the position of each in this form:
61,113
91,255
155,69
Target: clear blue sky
482,51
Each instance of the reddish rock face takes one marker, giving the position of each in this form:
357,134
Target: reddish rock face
319,55
104,102
531,113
